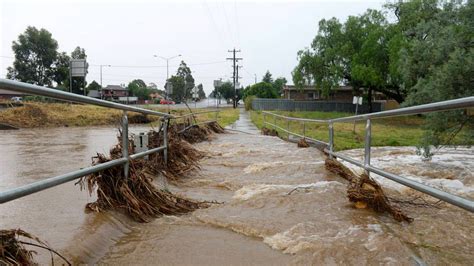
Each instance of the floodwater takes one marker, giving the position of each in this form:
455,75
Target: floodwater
278,206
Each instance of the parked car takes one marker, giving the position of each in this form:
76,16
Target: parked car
163,101
16,99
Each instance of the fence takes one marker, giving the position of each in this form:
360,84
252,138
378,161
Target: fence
329,147
15,193
260,104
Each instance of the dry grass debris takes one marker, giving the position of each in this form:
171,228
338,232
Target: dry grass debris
365,192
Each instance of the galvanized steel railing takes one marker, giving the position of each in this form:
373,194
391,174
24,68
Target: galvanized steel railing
461,103
15,193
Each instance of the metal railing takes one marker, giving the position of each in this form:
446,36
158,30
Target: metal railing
15,193
191,118
461,103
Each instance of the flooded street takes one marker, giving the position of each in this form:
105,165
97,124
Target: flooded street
277,206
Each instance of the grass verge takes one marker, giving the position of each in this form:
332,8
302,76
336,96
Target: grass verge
394,131
32,115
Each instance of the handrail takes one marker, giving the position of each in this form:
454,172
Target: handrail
62,95
412,110
195,113
15,193
425,108
296,118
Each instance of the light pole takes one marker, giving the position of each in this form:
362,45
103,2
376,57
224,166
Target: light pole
101,78
167,59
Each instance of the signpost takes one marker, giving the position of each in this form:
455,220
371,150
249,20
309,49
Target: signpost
77,68
357,100
195,95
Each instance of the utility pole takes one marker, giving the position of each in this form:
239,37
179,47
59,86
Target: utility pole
255,78
234,77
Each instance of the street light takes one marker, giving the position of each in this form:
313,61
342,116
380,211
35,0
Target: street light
167,59
101,78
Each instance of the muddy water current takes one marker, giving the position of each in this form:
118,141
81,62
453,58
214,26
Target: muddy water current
277,206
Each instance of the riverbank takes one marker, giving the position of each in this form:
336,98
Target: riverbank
35,115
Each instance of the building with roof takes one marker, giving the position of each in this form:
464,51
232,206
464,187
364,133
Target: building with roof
114,92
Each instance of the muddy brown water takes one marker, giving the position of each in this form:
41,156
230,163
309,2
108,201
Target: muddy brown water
279,207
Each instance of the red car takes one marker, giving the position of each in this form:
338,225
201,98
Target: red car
163,101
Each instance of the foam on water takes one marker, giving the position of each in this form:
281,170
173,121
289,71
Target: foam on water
251,191
451,169
258,167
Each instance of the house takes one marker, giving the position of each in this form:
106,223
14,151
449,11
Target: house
113,92
341,94
7,94
311,93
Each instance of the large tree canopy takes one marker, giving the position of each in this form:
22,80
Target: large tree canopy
425,55
182,82
35,55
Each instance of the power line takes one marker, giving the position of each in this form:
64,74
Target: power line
162,66
211,17
229,30
236,23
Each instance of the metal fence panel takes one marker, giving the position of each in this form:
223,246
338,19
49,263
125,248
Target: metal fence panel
322,106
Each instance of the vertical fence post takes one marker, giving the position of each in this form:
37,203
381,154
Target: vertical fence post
165,139
264,120
126,166
368,133
304,130
331,139
288,127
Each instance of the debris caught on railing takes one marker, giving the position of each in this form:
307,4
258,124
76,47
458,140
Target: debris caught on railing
365,192
137,195
302,143
269,132
14,252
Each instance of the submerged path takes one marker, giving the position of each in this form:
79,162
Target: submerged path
280,206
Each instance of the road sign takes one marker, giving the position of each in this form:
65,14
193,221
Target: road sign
357,100
169,88
78,67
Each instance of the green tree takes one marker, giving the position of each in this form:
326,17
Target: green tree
278,85
267,77
437,64
138,88
61,71
261,90
201,93
93,86
35,55
183,83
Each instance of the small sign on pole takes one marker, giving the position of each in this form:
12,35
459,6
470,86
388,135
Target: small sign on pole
357,100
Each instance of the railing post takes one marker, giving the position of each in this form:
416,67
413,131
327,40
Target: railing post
165,140
288,128
126,166
368,133
304,130
331,139
264,119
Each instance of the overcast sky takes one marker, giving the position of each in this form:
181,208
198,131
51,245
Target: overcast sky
126,34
